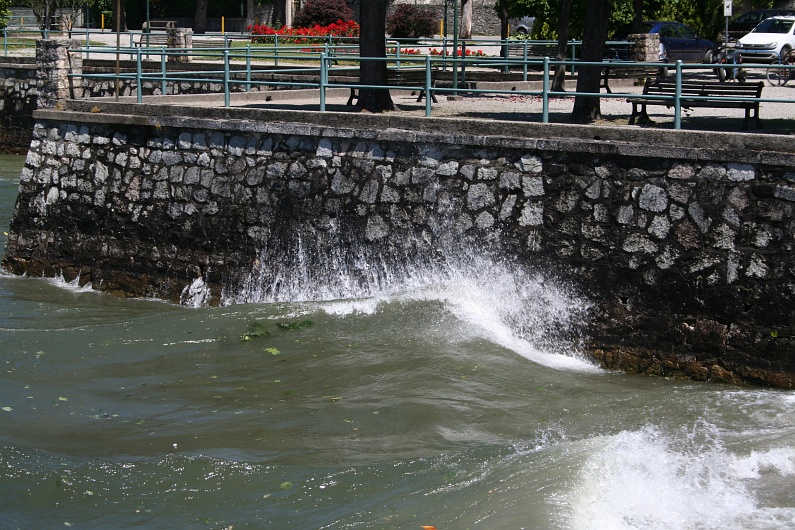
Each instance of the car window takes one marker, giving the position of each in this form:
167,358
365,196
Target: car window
774,25
669,32
686,33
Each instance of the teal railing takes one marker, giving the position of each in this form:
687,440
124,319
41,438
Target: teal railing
324,67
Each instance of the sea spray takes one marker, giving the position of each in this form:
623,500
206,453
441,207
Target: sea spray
527,311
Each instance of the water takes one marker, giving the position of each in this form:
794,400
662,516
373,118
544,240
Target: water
446,400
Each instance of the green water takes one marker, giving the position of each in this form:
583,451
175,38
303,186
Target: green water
417,407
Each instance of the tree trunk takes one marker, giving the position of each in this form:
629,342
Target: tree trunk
277,17
502,8
119,17
288,13
200,18
372,15
587,108
465,31
637,19
561,54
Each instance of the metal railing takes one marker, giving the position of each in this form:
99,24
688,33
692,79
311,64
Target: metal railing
323,70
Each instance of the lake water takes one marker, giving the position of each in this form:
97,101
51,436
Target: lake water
455,402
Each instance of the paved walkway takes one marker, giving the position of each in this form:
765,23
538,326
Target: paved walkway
777,117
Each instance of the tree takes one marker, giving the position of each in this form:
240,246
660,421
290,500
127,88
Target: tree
502,10
372,20
5,12
563,46
465,31
70,11
43,10
119,16
279,13
200,19
587,108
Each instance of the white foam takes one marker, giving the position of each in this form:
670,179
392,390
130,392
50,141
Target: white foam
647,479
501,303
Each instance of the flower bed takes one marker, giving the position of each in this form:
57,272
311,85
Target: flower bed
341,28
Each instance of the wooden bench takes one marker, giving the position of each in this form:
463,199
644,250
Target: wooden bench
212,43
719,95
160,25
406,77
534,51
152,40
630,70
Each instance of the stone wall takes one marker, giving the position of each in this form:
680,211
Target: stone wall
685,253
18,100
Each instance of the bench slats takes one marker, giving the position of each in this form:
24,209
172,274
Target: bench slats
717,95
405,77
628,70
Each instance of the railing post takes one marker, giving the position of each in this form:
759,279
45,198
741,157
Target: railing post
139,96
545,93
524,61
248,67
276,50
5,41
573,56
428,94
323,81
227,96
163,83
678,97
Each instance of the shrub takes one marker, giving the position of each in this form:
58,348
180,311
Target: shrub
412,22
322,13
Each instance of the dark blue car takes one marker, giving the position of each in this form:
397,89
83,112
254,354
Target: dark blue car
677,41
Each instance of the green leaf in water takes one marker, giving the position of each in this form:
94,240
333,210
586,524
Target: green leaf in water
289,326
7,409
255,330
286,485
272,351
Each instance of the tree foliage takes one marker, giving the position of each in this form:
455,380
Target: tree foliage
5,12
704,16
322,13
412,22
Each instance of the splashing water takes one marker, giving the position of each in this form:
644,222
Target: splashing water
500,300
652,479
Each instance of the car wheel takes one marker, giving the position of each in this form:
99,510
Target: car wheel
721,74
784,53
521,31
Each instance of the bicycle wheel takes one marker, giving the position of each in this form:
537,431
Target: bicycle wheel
777,76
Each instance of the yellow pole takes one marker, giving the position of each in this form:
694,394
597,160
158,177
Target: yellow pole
222,25
103,21
441,27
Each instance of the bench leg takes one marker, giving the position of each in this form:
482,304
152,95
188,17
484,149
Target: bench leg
752,112
422,95
433,95
353,96
641,116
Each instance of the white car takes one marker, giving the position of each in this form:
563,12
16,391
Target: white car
773,38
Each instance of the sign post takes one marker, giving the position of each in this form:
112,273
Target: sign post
727,12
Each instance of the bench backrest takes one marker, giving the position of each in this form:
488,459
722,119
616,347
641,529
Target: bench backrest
533,50
696,88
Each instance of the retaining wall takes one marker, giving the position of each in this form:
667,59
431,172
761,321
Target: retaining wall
684,252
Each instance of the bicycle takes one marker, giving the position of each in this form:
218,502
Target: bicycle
778,76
